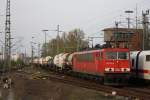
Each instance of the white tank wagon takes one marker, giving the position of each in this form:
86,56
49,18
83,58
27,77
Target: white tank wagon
69,60
35,61
63,61
49,61
41,61
60,57
46,60
140,64
56,60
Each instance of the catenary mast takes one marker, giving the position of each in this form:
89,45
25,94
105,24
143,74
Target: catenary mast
7,54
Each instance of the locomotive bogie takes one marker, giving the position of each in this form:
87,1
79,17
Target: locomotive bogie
116,79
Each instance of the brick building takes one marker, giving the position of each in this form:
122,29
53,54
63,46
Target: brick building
124,38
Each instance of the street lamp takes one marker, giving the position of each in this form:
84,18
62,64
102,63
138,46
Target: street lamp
128,12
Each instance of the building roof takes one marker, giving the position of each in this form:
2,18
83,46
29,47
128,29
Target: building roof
123,29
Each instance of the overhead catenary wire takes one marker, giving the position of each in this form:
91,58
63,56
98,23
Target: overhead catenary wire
88,22
132,24
112,13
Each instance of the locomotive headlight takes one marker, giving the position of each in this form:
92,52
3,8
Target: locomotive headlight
125,69
112,69
128,69
109,69
122,69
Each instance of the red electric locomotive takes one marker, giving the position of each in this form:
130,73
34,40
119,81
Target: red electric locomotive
112,65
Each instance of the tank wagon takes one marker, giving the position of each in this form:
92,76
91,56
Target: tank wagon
35,61
62,62
69,60
43,61
47,61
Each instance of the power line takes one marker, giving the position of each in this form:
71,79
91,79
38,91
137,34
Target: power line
110,13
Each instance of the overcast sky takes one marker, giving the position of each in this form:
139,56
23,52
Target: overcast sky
29,17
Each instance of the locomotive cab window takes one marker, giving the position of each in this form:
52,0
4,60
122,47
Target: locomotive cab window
111,55
117,55
147,57
123,55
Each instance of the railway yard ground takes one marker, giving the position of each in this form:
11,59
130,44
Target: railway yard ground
32,83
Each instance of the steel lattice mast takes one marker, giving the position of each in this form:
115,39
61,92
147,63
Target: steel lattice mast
7,54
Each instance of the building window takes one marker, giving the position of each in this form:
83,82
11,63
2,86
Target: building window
147,57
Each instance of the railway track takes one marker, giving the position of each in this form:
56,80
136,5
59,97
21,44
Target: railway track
131,93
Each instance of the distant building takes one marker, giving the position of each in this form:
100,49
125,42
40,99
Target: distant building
16,57
1,56
124,38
